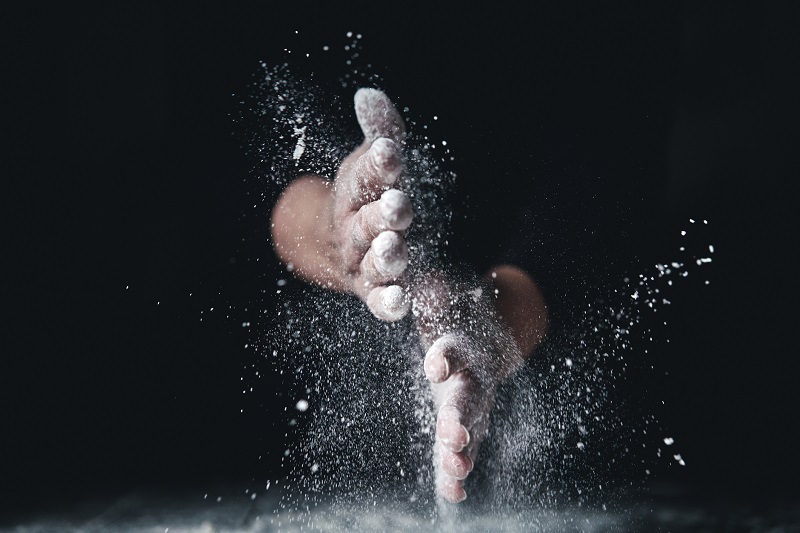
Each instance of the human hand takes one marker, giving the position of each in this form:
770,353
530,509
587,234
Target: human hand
475,339
348,234
370,215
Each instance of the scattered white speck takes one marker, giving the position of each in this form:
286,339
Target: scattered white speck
680,460
668,441
569,362
300,147
635,295
302,405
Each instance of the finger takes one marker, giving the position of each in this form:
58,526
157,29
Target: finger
444,358
377,116
450,489
374,171
388,303
392,212
451,430
456,465
464,409
386,258
452,468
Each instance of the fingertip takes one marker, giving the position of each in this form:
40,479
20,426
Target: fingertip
390,253
377,116
453,435
447,352
388,303
396,210
457,495
395,302
457,465
452,490
385,155
437,368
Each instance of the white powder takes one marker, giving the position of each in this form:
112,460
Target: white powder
300,147
390,253
377,116
394,302
395,208
385,158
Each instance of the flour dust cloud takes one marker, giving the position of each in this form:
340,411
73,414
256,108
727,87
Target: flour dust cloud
359,417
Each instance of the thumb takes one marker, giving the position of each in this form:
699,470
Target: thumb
377,116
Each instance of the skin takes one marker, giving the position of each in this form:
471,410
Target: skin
348,235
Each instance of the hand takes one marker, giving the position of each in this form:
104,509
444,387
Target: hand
349,235
475,337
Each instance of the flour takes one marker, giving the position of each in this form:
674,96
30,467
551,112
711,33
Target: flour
556,433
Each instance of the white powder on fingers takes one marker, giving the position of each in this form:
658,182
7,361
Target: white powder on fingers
396,210
388,303
385,155
394,302
390,253
377,115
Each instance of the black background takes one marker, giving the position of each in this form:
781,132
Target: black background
125,190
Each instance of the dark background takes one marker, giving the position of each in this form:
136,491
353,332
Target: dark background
125,190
